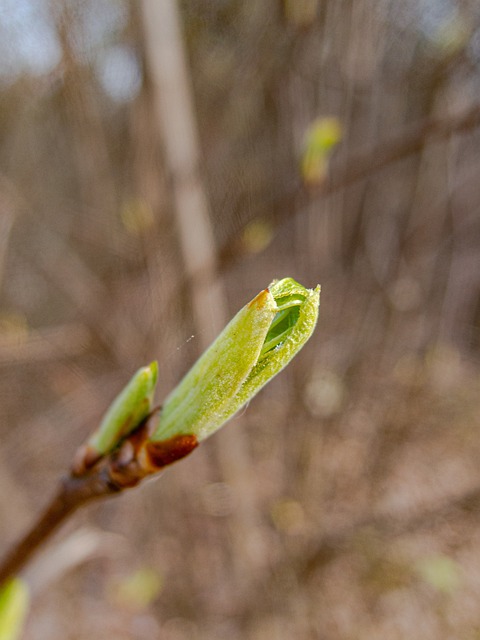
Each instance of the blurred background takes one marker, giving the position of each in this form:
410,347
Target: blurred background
161,161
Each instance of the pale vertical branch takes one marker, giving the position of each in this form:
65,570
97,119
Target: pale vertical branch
174,111
175,118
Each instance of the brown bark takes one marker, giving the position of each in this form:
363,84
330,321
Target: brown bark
71,494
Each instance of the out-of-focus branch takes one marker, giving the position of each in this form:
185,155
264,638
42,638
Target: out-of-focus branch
37,346
389,526
361,165
93,162
332,544
8,208
79,547
174,111
405,143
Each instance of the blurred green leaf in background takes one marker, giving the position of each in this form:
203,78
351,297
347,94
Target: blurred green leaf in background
14,598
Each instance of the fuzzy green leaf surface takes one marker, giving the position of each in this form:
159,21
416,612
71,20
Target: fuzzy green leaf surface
14,599
127,411
197,405
256,345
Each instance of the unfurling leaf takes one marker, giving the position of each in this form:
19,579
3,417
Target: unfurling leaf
256,345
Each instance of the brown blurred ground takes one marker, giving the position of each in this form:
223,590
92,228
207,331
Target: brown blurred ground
346,504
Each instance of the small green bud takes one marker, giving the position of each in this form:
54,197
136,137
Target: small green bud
124,415
256,345
127,411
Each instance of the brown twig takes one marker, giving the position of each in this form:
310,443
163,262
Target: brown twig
92,478
72,493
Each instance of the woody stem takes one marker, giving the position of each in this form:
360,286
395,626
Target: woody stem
72,493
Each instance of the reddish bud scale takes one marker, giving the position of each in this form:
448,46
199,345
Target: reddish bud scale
160,454
138,457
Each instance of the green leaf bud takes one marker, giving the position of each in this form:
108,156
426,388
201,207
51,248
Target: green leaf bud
256,345
124,415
